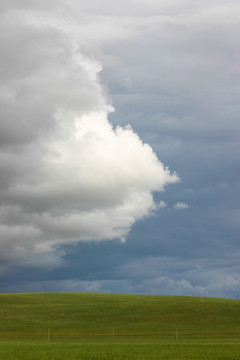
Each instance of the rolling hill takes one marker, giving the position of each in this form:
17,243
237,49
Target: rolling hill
78,315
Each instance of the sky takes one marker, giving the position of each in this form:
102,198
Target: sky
119,147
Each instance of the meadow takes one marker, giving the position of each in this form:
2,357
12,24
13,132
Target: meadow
110,326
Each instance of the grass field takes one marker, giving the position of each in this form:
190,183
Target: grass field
109,326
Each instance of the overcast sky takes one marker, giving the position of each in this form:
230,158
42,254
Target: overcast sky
119,146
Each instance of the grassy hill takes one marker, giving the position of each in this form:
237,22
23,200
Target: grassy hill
81,315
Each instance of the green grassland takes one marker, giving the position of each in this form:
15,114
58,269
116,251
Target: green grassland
110,326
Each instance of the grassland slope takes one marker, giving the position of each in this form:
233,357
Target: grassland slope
108,315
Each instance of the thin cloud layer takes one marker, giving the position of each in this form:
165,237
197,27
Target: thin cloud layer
66,174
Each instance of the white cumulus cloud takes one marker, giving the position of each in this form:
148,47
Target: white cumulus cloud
66,174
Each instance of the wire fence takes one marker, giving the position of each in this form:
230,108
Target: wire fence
177,334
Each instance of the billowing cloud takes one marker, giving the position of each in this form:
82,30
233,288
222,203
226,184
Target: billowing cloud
67,174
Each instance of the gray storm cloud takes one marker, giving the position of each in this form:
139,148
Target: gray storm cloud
66,175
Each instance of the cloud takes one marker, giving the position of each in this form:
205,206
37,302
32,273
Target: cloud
180,206
67,174
162,204
219,285
213,277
